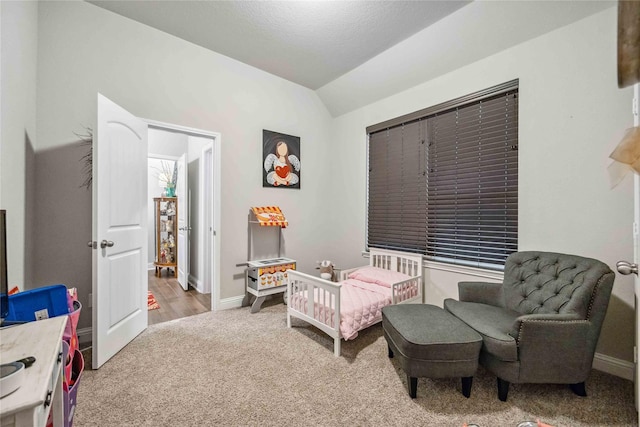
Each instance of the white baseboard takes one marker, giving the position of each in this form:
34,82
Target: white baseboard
233,302
611,365
84,335
196,283
151,266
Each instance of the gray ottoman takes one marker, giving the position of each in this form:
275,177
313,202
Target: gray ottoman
430,342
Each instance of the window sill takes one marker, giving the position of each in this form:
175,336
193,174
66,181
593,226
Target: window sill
459,269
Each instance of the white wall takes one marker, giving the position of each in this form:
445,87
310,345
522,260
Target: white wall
571,115
84,50
164,142
18,44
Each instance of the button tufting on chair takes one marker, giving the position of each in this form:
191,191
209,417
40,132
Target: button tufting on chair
523,341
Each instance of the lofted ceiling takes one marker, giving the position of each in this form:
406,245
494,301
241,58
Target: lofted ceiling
353,53
307,42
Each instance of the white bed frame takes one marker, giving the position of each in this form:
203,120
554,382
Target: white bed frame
325,295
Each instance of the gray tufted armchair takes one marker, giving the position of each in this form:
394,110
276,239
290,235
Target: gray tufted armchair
541,325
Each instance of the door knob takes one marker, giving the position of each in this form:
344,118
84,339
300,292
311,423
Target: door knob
92,244
106,243
625,267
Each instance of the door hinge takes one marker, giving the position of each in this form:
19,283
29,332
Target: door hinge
634,106
635,228
635,354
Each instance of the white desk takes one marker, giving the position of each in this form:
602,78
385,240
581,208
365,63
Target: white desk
41,389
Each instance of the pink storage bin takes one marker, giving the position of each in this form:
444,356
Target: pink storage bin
66,357
72,323
70,335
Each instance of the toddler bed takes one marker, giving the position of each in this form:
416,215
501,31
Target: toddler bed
342,309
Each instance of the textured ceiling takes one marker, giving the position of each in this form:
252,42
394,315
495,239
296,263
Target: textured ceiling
307,42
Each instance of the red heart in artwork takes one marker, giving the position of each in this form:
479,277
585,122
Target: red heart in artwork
282,171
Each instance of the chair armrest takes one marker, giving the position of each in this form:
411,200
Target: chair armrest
534,323
481,292
553,347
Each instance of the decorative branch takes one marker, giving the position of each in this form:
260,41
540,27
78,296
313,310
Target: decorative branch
86,139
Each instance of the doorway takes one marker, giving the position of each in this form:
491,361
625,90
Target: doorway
188,288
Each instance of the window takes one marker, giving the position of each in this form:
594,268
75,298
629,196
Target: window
444,181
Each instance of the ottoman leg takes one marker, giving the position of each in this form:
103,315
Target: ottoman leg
466,386
412,382
390,352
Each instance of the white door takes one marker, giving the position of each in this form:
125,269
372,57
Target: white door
636,240
636,260
625,267
183,222
119,230
206,197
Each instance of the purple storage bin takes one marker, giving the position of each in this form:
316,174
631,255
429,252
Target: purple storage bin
70,388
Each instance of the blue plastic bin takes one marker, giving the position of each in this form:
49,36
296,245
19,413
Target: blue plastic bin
38,304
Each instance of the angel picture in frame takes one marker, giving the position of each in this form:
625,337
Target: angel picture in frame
281,160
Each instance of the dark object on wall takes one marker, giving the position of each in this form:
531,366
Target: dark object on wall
280,160
4,283
628,43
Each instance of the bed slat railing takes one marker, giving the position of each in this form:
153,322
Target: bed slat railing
408,290
316,301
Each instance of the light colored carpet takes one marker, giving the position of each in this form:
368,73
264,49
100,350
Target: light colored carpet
234,368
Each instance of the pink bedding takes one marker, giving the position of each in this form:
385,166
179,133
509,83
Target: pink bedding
360,306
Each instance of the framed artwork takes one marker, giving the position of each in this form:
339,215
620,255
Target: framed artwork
280,160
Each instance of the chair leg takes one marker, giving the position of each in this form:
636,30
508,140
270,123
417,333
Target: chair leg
466,386
503,389
412,383
579,389
390,352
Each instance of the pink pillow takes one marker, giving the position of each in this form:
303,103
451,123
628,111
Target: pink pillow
379,276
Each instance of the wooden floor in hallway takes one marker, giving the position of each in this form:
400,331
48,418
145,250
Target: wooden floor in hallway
174,301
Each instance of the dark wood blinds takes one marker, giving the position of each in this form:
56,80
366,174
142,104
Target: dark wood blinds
446,184
398,188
